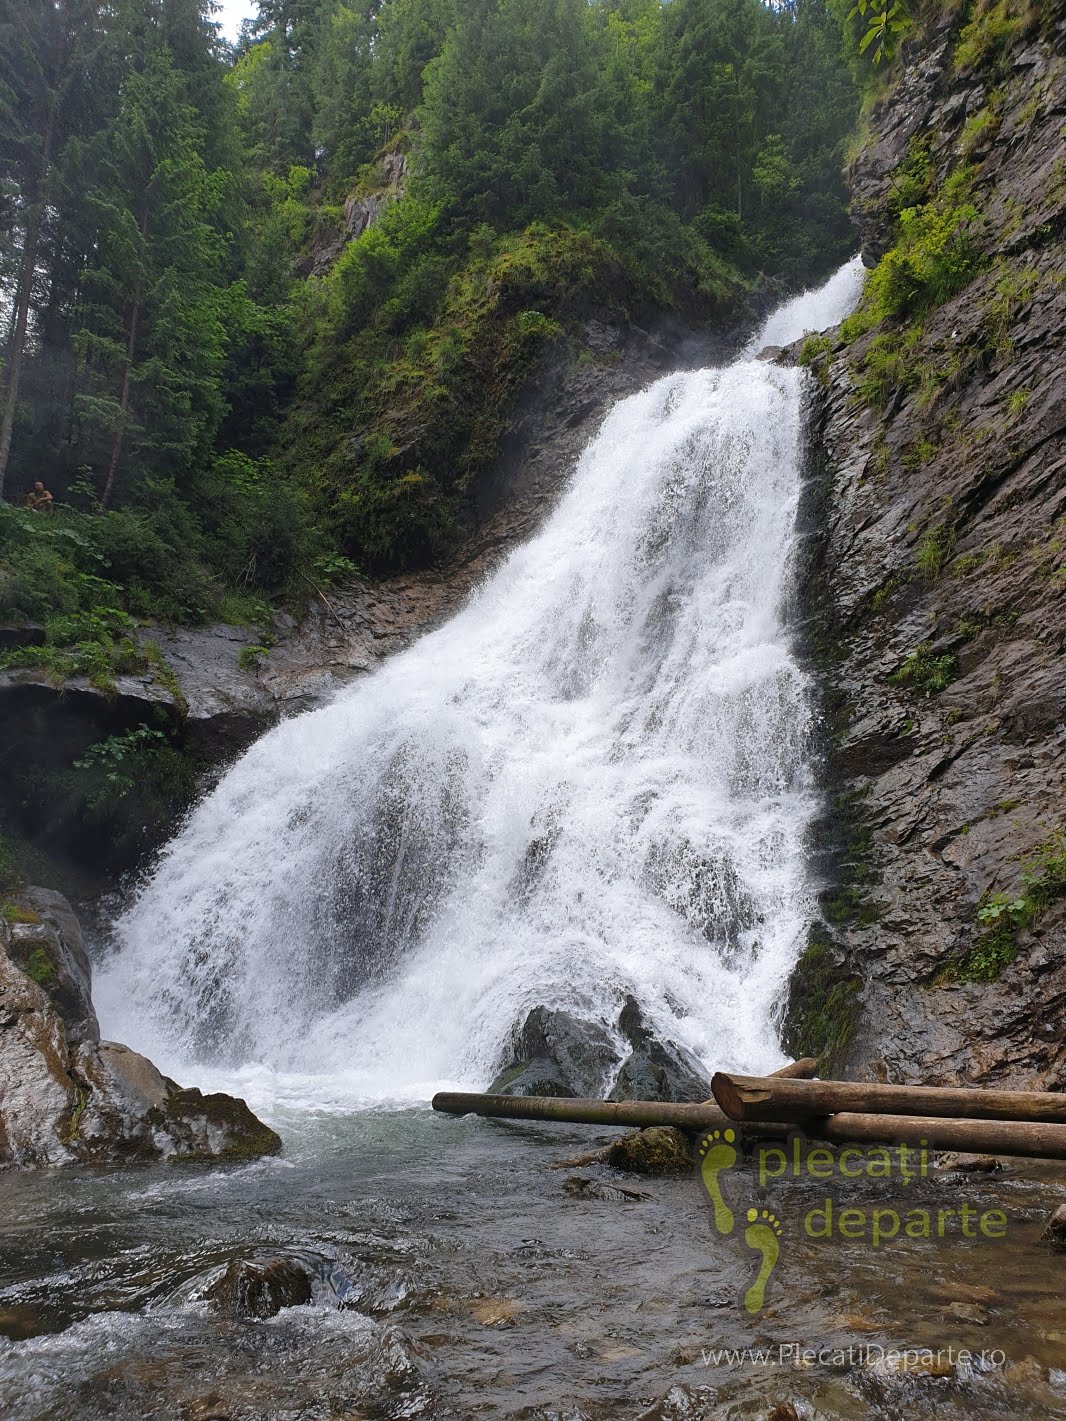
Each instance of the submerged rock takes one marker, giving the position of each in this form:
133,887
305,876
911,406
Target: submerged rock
660,1150
259,1287
65,1095
1055,1233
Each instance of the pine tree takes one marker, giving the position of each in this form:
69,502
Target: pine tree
46,102
152,341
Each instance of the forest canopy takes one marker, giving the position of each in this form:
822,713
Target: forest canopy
266,305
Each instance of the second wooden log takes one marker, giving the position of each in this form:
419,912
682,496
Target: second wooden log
754,1098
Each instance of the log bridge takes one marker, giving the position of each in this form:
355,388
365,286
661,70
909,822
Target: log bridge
1001,1122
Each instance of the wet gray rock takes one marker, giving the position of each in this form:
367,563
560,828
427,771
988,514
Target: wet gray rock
45,941
557,1054
65,1095
934,531
259,1287
554,1053
654,1069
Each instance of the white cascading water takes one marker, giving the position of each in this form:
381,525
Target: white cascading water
593,781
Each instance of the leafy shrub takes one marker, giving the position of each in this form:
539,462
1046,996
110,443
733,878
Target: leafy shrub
925,673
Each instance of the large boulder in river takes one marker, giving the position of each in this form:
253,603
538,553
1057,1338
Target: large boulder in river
554,1053
65,1095
656,1069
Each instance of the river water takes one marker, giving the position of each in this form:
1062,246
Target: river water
593,782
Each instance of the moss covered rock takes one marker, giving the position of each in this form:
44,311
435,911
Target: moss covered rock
660,1150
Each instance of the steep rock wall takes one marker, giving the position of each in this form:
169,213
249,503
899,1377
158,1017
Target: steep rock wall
936,596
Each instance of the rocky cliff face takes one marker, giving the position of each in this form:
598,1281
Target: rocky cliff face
936,596
65,1095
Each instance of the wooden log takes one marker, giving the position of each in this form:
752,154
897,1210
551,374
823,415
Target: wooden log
802,1070
777,1098
628,1113
998,1137
978,1137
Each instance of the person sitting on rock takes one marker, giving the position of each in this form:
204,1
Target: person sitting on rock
39,499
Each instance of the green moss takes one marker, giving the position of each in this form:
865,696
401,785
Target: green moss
658,1151
1001,916
15,913
989,33
39,967
74,1123
823,1005
816,355
250,657
925,673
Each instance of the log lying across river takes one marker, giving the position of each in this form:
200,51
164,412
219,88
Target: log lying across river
1037,1139
627,1113
777,1098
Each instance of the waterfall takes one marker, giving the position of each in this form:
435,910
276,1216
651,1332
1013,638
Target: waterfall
592,781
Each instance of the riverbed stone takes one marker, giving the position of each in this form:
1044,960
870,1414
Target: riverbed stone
659,1150
1055,1232
65,1095
259,1287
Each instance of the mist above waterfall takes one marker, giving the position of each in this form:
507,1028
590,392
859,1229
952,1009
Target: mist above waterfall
591,782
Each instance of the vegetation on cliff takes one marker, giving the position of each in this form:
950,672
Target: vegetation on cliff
231,386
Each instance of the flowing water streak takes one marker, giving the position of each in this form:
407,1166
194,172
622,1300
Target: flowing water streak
593,781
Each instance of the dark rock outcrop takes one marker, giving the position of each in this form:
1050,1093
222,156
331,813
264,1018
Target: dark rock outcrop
65,1095
654,1069
554,1053
936,615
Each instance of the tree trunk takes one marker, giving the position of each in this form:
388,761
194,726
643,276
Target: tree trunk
997,1137
127,372
17,345
124,399
773,1098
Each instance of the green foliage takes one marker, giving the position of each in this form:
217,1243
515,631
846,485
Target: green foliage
233,403
925,673
250,657
1001,916
816,354
16,913
989,32
886,25
115,763
891,363
934,551
936,254
39,967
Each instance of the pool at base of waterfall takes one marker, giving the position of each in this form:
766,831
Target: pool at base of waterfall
471,1268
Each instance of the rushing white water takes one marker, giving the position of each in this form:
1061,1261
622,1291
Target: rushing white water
591,782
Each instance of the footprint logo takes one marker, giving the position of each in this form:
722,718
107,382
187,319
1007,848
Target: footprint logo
717,1153
763,1235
